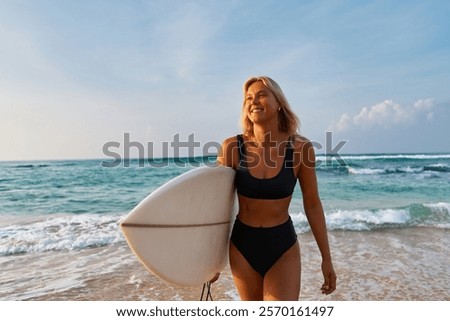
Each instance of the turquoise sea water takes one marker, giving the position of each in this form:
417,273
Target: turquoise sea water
69,205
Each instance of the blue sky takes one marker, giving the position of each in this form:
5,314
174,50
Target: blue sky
75,75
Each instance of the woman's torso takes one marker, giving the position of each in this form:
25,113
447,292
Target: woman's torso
265,180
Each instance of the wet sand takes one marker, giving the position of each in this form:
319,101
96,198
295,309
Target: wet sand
392,265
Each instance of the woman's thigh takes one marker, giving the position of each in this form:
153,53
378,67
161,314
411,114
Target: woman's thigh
249,283
282,281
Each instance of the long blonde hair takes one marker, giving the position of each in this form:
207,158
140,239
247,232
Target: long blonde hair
288,122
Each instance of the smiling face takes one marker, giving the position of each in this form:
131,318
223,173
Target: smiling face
260,103
264,100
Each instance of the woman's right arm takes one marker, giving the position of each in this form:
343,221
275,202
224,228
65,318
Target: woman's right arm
228,153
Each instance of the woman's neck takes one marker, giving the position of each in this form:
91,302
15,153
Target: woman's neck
268,135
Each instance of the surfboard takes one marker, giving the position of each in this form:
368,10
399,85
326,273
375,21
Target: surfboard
180,232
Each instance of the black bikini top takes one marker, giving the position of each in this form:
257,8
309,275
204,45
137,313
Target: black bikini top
280,186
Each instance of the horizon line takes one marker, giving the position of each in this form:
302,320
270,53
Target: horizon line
214,155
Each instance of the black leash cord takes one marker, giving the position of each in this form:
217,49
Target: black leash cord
207,287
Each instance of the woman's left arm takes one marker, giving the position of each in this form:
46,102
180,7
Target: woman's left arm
314,213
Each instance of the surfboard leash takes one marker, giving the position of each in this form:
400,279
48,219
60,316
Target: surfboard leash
207,288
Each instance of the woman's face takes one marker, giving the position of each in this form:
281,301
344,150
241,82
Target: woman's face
260,103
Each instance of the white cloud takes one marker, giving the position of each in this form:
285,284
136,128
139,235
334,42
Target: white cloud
385,114
343,122
424,104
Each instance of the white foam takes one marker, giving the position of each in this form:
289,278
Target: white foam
411,170
76,232
59,233
387,170
386,156
439,206
365,171
359,220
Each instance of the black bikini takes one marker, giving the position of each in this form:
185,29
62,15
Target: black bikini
263,246
280,186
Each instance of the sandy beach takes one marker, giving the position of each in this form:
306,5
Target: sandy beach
392,265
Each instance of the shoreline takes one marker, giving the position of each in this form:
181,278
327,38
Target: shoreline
406,264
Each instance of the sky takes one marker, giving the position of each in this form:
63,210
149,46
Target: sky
83,79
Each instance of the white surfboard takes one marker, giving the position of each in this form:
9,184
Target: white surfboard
180,232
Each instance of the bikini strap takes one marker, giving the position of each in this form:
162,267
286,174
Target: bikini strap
289,159
242,158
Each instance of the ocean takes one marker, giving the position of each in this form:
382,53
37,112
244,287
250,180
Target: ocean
388,218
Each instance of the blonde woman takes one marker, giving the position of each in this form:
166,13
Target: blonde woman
269,157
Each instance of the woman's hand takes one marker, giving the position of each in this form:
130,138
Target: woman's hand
329,276
215,278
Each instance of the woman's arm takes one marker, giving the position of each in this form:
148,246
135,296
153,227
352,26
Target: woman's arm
314,213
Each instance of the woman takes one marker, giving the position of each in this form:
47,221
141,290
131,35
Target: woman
269,157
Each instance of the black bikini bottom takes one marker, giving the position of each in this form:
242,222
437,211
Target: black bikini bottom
263,246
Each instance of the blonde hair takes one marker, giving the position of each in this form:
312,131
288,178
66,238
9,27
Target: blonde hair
288,122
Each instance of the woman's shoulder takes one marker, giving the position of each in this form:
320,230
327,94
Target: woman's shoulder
230,141
304,153
228,154
300,142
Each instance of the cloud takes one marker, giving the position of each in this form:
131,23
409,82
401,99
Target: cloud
385,114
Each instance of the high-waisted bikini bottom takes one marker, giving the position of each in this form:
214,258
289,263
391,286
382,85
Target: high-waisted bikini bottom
263,246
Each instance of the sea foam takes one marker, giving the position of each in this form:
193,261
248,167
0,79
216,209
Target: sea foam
415,215
60,233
